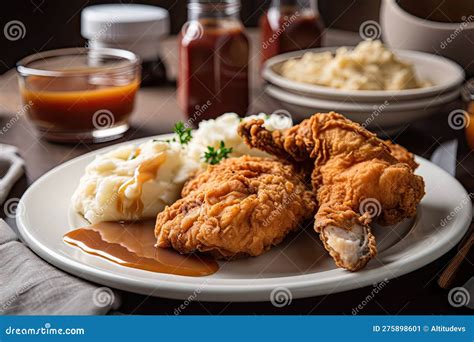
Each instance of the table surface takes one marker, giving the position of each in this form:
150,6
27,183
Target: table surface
157,111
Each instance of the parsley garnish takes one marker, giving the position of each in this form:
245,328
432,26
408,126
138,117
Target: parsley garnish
184,134
214,156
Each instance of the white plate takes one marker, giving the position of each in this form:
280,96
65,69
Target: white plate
387,114
300,264
445,75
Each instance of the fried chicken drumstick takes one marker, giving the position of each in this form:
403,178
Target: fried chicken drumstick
240,207
357,178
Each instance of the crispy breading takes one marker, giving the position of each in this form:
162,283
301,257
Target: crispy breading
349,167
240,207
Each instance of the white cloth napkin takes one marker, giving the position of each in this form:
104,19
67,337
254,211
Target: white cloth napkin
28,284
11,167
31,286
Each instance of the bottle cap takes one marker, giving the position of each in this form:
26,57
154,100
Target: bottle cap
124,22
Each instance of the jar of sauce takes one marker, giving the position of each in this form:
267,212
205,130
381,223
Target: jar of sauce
290,25
79,94
213,61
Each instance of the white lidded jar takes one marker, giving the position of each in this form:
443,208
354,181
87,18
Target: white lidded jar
133,27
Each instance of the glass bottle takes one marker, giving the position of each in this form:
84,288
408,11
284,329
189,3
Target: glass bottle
213,61
290,25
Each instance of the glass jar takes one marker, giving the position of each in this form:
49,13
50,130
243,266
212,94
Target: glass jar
79,94
213,61
290,25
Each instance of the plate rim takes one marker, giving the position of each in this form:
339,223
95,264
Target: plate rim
278,92
273,77
242,290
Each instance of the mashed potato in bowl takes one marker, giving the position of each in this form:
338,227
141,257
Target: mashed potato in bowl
369,66
137,182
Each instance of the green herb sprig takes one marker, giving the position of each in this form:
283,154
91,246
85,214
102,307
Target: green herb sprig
214,156
184,134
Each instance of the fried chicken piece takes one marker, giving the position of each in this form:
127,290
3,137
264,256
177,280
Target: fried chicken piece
240,207
402,154
356,177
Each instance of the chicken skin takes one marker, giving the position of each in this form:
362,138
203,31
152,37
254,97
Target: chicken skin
240,207
356,177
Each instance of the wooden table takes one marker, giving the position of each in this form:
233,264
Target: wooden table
157,111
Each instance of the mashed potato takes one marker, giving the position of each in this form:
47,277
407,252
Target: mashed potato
224,128
130,182
369,66
133,183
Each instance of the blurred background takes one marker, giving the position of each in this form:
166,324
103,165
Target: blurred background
52,24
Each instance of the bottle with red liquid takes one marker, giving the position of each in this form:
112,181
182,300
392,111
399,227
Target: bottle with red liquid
213,61
290,25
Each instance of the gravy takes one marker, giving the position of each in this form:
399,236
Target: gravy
143,173
133,245
70,103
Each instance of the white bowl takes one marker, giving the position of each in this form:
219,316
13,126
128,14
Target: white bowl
387,115
402,30
445,75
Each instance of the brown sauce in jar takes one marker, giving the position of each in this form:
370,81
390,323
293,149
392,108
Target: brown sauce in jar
286,29
133,245
71,102
213,70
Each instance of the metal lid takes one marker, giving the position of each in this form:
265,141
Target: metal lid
122,22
